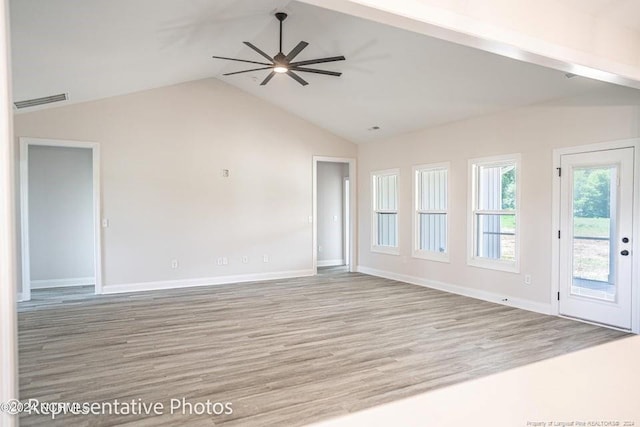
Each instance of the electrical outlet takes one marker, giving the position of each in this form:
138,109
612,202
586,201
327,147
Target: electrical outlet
245,259
319,248
265,258
174,263
105,223
225,261
220,261
335,218
527,279
225,173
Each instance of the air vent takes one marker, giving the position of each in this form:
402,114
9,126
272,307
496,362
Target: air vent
41,101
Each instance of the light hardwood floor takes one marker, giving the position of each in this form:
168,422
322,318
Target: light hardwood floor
285,352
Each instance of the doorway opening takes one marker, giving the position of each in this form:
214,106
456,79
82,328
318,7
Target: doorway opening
595,203
333,213
60,225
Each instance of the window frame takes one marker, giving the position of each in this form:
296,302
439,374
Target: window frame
473,212
416,251
375,247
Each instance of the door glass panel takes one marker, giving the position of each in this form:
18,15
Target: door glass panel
594,213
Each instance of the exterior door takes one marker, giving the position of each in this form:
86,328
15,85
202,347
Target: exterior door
596,211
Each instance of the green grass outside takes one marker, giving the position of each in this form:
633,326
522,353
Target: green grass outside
508,223
589,227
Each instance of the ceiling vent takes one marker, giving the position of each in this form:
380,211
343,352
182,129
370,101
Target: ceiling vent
41,101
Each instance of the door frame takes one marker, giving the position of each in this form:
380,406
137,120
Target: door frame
346,218
352,209
25,143
555,248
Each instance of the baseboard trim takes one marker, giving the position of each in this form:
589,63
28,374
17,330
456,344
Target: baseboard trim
207,281
460,290
63,283
330,262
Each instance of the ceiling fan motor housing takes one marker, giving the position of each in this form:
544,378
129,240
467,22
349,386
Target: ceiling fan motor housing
280,59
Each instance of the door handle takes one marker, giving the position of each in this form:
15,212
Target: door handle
624,252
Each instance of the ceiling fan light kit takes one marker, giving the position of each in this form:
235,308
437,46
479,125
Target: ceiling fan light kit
281,63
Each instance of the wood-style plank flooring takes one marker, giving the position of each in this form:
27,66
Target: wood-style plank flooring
284,352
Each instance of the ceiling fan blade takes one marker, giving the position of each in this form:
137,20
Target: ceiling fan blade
269,77
297,78
247,71
296,50
259,51
240,60
317,61
315,70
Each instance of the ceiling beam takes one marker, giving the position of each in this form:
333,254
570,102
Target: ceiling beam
545,32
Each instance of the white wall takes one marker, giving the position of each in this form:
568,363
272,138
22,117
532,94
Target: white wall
8,320
60,215
534,132
162,153
331,212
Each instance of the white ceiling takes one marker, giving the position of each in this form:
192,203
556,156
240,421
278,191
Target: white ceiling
623,12
398,80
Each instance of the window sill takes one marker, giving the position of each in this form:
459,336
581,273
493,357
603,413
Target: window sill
509,267
431,256
388,250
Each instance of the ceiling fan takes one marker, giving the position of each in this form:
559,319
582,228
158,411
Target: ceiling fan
282,64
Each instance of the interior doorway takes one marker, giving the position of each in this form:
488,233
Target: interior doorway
333,212
59,197
596,236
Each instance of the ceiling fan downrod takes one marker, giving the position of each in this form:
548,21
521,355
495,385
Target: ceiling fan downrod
281,16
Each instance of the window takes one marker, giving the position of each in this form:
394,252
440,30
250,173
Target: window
385,211
430,212
494,192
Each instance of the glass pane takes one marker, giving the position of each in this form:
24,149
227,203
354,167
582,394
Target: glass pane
386,195
433,190
496,237
433,232
593,194
387,229
497,187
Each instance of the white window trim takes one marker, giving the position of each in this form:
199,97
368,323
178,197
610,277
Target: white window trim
472,260
416,252
389,250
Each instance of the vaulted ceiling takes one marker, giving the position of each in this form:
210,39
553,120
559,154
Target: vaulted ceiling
392,78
